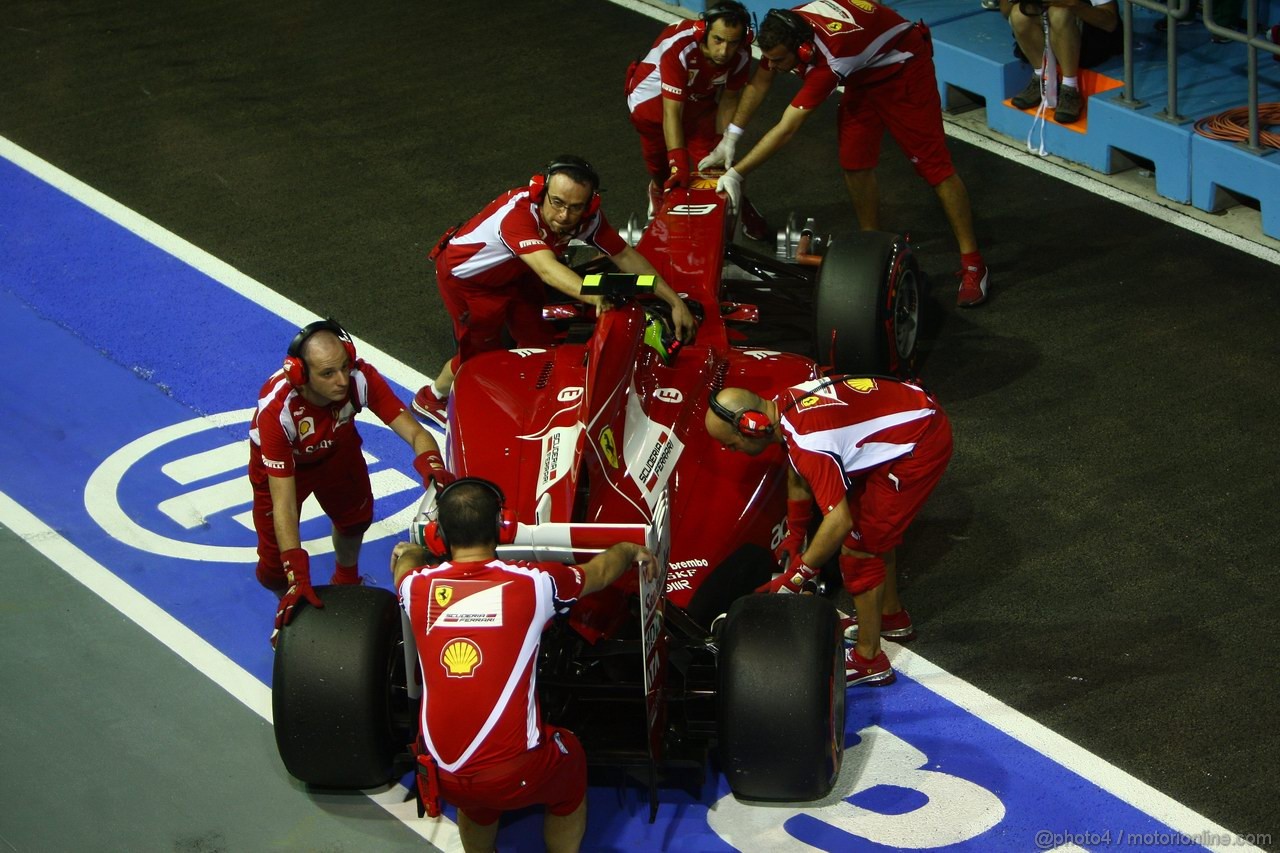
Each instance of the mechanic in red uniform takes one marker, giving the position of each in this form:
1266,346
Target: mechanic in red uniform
683,93
491,270
303,440
869,451
477,621
885,64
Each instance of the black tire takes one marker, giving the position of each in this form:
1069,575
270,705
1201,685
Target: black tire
780,698
332,690
739,575
867,300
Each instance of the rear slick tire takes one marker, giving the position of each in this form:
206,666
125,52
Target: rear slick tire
331,694
781,698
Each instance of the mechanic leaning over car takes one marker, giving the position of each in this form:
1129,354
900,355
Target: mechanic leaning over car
303,440
682,95
477,621
869,451
492,269
886,66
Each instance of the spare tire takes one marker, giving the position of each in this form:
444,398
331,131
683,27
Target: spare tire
867,300
780,697
332,685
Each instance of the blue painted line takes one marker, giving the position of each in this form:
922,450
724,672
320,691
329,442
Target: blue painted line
133,371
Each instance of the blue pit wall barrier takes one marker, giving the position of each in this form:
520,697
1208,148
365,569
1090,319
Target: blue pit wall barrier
976,67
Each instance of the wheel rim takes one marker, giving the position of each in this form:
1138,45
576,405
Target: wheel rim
905,314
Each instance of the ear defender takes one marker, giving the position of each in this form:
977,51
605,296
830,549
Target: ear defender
749,423
538,183
295,366
433,536
725,9
797,30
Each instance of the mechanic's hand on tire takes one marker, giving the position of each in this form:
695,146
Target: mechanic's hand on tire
730,184
789,550
678,161
430,467
297,568
801,577
722,154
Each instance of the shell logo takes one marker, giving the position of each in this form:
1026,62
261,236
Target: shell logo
460,658
861,384
864,5
306,426
702,184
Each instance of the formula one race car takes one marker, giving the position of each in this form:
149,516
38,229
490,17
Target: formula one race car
602,440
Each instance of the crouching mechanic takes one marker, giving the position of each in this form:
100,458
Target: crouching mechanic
477,621
683,93
869,451
303,440
491,270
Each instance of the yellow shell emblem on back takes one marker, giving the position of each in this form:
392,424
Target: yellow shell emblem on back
861,384
460,658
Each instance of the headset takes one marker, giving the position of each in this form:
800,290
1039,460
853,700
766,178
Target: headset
433,536
580,169
749,423
722,10
295,366
797,31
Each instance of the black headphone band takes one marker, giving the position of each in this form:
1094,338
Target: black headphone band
474,481
327,325
727,415
570,163
727,9
795,26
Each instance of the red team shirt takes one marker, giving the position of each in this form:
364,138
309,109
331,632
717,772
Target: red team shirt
486,250
478,627
288,432
675,68
837,432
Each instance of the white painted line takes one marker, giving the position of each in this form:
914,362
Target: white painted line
194,649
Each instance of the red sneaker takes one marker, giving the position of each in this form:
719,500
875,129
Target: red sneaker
974,282
893,626
431,407
873,673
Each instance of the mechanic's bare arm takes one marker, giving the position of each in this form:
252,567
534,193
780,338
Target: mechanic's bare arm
284,512
826,541
631,261
606,567
797,488
673,123
548,267
407,427
773,141
753,95
405,558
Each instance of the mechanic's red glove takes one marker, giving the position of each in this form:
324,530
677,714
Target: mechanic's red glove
678,160
430,466
297,568
799,514
796,579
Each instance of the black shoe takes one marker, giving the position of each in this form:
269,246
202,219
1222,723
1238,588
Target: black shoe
1069,105
1029,96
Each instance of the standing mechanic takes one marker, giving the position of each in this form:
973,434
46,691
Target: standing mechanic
683,94
869,451
886,66
303,440
491,270
477,621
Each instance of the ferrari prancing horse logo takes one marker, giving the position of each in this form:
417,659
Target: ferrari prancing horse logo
608,446
444,594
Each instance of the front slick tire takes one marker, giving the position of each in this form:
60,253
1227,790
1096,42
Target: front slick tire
781,697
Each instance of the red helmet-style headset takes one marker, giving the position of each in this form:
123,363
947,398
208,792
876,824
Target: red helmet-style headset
295,366
748,422
433,535
577,169
730,11
798,32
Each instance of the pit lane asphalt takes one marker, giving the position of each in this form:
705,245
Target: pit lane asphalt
1100,555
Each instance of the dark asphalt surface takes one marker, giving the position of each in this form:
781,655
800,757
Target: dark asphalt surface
1101,555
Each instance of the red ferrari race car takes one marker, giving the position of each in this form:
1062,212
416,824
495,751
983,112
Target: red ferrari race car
601,440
